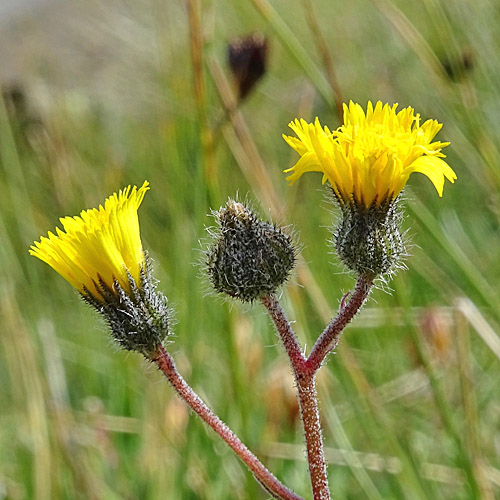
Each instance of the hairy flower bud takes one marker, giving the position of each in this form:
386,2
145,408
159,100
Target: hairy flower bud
139,318
250,258
369,240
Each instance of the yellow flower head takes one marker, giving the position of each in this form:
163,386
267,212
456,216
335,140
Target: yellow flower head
99,245
369,159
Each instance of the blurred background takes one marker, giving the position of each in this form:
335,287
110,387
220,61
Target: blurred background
99,95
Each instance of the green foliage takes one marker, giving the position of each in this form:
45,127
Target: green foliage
410,399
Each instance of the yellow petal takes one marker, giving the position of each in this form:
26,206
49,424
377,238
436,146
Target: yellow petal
99,244
435,169
371,156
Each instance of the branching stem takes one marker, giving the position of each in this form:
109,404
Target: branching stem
305,369
308,400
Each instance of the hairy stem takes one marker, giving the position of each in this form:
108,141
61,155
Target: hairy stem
268,481
322,48
199,89
308,399
330,337
285,332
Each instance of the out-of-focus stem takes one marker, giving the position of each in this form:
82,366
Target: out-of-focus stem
446,413
269,482
325,56
330,337
196,49
470,408
295,48
255,170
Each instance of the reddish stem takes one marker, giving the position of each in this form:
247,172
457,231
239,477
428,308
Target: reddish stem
269,482
308,399
305,369
287,335
330,337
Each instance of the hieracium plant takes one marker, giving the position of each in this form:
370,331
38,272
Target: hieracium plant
366,162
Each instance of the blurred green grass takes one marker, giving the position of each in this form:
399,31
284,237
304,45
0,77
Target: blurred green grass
410,401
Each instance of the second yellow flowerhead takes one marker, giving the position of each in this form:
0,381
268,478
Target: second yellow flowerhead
367,162
369,159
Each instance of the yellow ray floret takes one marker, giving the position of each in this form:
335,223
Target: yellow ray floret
101,243
371,156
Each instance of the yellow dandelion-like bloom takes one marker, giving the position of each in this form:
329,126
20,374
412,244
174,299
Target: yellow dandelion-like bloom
101,244
369,159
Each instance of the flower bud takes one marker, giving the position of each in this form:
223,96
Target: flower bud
369,240
250,258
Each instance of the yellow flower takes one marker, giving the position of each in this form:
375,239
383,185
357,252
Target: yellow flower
369,159
100,244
